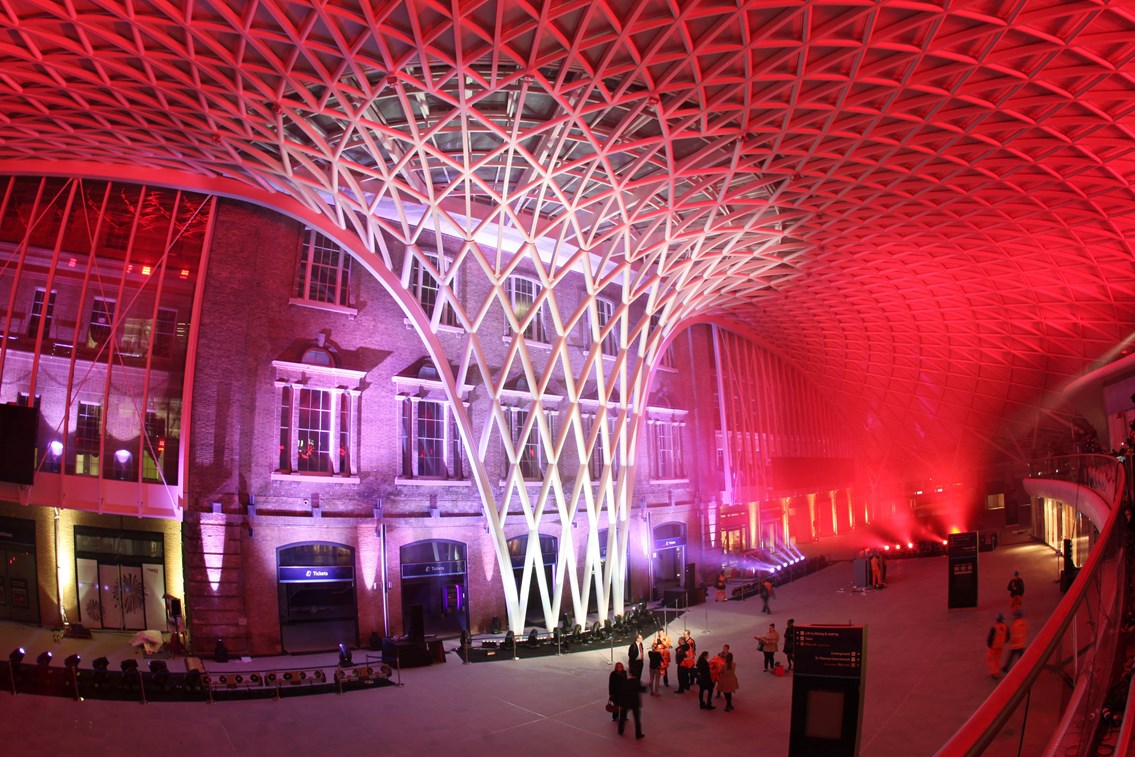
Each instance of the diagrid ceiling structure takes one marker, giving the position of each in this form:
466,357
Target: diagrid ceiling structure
925,205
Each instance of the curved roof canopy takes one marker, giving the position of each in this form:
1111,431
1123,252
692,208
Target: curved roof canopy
927,209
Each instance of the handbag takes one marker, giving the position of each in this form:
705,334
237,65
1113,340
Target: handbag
611,707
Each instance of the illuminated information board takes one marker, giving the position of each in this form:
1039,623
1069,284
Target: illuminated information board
827,691
829,651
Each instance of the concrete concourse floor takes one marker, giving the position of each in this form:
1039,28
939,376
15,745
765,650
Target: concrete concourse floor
925,674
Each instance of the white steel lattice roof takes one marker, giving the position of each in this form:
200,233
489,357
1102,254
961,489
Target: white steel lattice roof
926,206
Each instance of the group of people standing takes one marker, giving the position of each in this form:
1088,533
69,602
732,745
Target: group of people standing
717,674
1014,635
770,642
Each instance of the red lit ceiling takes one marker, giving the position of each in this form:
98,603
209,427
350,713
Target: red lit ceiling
926,209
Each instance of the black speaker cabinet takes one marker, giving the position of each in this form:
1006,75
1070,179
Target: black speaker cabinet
416,623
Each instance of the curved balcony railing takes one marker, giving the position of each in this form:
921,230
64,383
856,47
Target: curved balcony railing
1049,702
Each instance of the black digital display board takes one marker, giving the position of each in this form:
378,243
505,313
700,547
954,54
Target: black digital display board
829,651
827,690
961,550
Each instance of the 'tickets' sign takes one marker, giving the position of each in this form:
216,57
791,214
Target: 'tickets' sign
315,574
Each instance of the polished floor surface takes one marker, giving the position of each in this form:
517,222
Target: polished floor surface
925,674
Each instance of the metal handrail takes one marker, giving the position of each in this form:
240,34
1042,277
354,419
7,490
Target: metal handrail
978,732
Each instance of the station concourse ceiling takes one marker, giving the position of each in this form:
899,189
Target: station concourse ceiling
925,206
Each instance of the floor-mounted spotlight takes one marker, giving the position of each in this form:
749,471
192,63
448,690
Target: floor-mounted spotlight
72,665
160,672
44,659
15,657
102,671
344,656
130,673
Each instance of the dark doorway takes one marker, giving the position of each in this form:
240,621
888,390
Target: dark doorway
434,579
669,558
316,587
517,549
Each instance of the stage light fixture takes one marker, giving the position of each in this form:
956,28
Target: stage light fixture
101,663
160,672
72,661
193,680
128,666
344,656
16,656
44,659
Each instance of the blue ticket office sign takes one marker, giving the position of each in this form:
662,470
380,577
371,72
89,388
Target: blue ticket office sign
827,691
961,551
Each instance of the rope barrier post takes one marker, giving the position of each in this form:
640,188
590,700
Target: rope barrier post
141,684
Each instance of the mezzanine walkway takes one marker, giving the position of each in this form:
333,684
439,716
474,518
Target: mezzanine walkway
925,675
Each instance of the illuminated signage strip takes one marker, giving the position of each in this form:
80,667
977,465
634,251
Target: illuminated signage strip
316,574
427,569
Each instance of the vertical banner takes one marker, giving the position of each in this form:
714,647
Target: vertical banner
827,691
961,550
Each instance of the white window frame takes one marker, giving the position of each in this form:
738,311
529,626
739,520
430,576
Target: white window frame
312,243
340,385
411,391
604,313
667,461
666,358
423,282
519,400
38,313
451,461
87,457
517,417
594,463
108,309
536,331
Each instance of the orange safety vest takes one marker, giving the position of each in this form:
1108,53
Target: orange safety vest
998,635
1017,633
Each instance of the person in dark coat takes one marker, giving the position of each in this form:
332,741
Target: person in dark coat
1016,591
680,656
615,688
630,701
636,656
705,682
789,646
